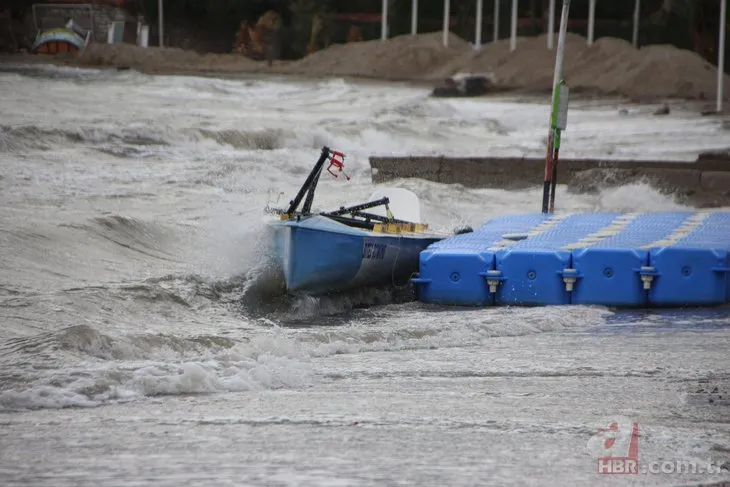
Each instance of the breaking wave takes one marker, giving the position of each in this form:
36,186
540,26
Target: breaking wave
18,139
112,140
171,366
83,367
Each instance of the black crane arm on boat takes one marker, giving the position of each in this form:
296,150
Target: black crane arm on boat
356,211
310,184
357,208
351,215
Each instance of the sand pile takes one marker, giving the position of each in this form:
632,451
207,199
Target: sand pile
665,71
613,66
404,57
529,67
155,59
610,66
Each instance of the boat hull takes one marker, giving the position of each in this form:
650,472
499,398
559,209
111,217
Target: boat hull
58,41
320,256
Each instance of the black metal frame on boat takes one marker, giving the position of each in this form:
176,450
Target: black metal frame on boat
357,217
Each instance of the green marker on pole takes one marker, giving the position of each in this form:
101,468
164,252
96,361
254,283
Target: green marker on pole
556,104
560,122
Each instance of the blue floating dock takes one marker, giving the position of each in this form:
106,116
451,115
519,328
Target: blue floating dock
656,259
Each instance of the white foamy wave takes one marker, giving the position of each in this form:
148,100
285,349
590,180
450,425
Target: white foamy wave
417,327
629,197
266,362
127,368
43,397
449,206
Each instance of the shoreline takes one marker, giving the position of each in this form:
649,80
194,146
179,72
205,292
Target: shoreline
259,70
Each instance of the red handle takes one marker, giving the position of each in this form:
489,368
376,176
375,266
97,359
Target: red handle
337,160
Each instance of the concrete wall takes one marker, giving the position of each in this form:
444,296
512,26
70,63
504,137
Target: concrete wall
104,15
704,182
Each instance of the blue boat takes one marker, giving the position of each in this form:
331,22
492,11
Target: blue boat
331,252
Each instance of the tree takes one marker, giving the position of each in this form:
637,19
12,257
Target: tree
699,19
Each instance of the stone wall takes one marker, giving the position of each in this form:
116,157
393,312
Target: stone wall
704,182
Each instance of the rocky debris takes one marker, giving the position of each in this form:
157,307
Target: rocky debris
466,86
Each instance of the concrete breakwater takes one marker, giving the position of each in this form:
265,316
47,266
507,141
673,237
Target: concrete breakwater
704,182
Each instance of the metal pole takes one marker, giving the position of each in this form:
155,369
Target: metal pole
478,33
551,25
557,77
93,20
447,15
513,29
414,17
496,20
161,26
635,37
558,72
721,55
591,20
384,21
